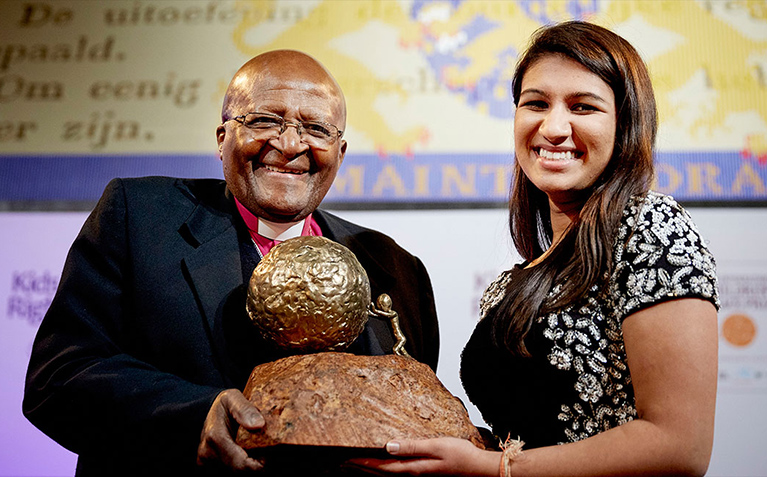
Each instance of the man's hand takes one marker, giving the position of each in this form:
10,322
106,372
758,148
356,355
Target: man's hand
217,446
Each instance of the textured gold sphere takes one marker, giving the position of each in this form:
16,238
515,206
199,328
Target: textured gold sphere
309,294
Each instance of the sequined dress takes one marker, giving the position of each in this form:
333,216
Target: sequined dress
577,383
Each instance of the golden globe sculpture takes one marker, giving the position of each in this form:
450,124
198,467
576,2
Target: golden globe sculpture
310,297
309,294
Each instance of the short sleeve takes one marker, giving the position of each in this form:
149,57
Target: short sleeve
659,255
494,293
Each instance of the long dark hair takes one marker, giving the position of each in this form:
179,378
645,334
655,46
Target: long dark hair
583,258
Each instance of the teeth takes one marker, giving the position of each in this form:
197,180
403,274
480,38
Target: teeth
556,156
280,169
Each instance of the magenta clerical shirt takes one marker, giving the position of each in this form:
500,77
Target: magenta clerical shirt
265,243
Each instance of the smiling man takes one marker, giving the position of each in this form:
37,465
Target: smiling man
281,137
139,363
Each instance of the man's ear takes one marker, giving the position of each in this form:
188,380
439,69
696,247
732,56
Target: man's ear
342,152
220,136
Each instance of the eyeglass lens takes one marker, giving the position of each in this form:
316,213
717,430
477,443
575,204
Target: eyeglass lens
311,132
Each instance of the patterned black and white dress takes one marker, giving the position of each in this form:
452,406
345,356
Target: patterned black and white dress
577,382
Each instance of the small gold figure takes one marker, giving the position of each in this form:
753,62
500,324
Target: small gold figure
384,310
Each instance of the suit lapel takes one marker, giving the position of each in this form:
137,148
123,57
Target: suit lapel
213,267
214,270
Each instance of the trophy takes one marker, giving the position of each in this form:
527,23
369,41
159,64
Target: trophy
310,298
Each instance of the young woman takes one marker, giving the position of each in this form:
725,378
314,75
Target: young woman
599,352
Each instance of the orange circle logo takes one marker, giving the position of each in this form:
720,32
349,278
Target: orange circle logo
739,330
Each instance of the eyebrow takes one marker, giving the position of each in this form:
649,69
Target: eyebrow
577,94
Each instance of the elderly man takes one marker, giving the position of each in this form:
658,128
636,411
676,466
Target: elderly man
138,364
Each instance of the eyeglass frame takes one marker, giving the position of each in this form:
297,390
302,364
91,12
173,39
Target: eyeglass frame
284,123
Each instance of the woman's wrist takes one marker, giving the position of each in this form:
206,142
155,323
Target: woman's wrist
512,449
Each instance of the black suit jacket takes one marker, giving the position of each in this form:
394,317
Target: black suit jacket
146,326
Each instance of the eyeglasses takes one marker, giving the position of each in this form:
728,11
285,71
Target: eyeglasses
313,133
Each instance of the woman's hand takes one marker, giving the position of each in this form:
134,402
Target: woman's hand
441,456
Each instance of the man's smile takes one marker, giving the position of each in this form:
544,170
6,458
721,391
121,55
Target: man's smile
282,170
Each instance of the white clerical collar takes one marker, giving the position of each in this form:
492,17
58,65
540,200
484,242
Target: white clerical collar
280,231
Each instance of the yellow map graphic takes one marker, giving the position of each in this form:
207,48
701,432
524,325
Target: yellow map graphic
708,60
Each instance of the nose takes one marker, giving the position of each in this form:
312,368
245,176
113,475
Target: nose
289,142
556,125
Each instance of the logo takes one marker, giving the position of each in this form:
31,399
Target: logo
739,330
30,295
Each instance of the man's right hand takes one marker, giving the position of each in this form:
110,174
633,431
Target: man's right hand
217,448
